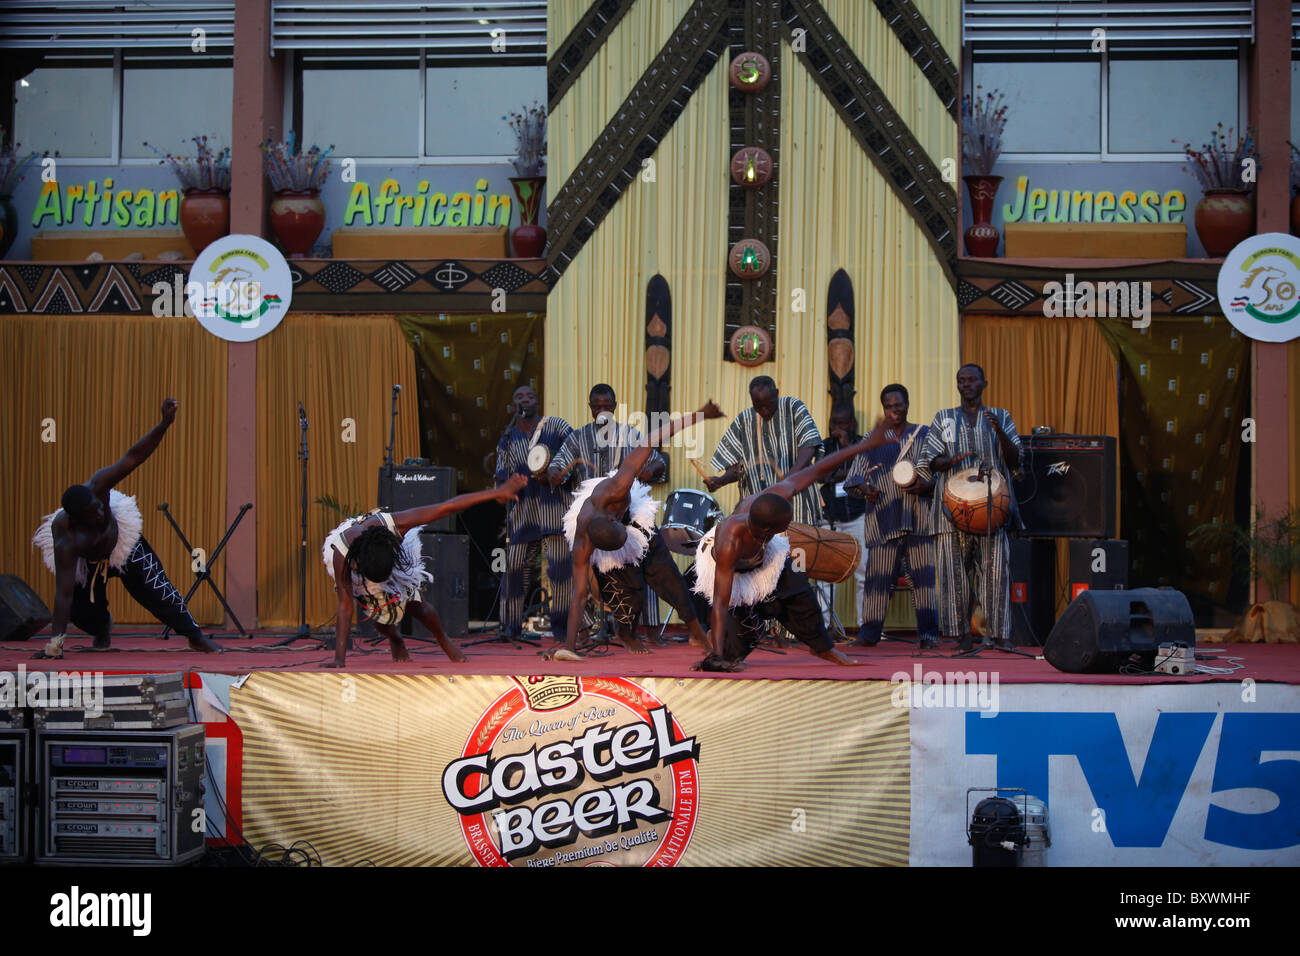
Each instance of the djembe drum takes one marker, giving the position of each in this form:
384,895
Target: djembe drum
826,555
966,501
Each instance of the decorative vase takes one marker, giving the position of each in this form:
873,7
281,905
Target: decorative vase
1295,215
205,216
1224,217
981,238
529,239
297,218
8,224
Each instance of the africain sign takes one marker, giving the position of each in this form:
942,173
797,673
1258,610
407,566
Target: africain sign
386,206
1087,205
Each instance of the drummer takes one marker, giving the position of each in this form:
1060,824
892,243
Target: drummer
897,528
535,522
597,448
974,436
744,567
611,531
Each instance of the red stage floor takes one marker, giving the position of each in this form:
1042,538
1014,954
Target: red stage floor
1273,663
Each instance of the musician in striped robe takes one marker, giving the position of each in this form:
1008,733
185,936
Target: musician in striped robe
897,527
766,444
597,448
977,435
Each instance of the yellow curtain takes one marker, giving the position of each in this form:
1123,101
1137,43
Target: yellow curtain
84,388
342,368
1057,372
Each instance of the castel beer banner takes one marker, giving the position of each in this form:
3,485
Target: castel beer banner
575,771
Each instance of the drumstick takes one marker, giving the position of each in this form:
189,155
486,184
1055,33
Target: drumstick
696,464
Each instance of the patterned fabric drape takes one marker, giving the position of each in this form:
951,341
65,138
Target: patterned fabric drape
79,391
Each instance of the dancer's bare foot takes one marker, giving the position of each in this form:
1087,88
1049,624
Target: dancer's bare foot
397,647
205,645
633,644
562,653
834,656
340,664
451,650
697,636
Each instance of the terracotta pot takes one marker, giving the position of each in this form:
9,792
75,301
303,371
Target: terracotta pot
1295,215
297,219
1224,217
8,224
981,238
205,216
529,239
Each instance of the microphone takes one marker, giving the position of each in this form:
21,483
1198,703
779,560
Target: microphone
302,415
396,389
603,419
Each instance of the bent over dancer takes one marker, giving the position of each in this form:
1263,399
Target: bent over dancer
375,560
97,535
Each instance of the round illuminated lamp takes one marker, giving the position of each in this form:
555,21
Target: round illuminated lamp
749,259
750,72
750,346
751,167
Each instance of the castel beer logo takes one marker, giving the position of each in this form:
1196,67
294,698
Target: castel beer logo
569,771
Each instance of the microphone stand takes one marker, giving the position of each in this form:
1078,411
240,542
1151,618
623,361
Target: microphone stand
388,452
303,630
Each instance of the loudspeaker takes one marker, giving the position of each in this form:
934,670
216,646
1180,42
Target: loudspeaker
446,557
15,796
22,613
1101,632
1097,565
412,487
1068,487
1033,581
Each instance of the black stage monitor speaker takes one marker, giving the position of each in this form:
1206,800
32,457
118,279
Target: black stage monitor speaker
1103,631
412,487
1033,587
446,557
1068,488
22,613
1097,565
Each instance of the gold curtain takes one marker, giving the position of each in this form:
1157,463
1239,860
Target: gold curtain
342,368
1057,372
84,388
472,363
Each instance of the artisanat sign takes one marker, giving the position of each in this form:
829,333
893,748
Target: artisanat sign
1088,205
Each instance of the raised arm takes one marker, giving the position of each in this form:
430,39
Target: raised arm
416,517
107,477
635,460
807,477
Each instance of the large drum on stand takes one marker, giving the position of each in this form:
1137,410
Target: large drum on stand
688,516
823,554
966,501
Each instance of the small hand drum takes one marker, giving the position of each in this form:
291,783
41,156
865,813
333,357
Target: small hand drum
539,456
965,500
688,515
903,473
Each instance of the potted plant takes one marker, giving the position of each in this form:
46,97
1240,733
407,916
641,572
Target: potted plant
529,127
1272,551
1226,213
983,118
297,213
12,169
205,181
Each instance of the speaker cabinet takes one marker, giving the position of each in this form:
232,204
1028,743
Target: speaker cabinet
1068,487
1101,632
15,795
1097,565
22,612
446,557
411,487
1033,583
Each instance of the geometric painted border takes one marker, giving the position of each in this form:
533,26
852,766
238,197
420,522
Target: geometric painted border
1177,288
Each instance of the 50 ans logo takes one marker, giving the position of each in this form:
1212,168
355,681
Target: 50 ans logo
576,771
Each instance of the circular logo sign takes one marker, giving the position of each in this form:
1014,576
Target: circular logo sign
239,288
569,771
1259,287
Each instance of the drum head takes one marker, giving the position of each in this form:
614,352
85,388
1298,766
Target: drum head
539,456
903,473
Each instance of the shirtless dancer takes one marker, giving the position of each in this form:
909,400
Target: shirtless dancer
611,524
743,566
375,561
97,534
